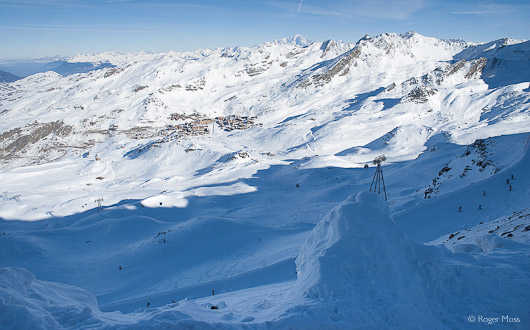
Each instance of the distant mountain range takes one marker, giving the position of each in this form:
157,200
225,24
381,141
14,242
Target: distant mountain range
6,77
26,68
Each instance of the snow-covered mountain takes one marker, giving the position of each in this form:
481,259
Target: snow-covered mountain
213,167
336,104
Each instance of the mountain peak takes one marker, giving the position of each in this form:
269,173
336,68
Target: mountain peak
299,40
296,40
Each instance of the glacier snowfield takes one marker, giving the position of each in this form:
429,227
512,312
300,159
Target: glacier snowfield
227,188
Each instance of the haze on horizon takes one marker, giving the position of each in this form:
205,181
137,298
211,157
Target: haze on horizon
32,28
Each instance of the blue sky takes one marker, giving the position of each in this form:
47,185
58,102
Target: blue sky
36,28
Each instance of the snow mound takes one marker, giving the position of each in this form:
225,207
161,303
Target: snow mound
362,269
27,303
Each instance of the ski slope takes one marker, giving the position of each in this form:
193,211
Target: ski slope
267,218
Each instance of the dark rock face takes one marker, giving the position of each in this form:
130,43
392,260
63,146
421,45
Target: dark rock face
419,94
476,68
340,68
13,143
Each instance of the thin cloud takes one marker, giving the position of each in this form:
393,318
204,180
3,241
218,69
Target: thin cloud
62,5
86,4
172,5
488,9
99,28
478,13
347,9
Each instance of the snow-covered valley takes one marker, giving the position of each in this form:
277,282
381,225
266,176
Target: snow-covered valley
236,179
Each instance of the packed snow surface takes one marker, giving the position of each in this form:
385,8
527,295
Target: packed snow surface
226,188
356,269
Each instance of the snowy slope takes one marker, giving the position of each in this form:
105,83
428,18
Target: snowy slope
214,167
389,281
388,94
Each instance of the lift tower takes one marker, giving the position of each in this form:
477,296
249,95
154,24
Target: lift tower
378,182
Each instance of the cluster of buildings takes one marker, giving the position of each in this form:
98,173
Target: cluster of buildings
233,122
197,124
194,124
190,125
